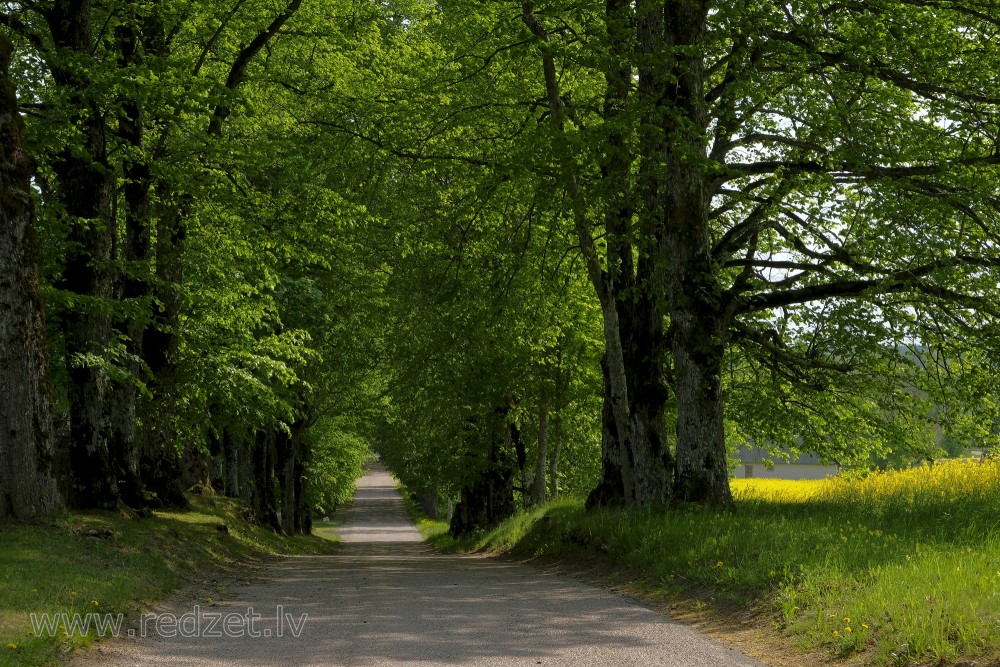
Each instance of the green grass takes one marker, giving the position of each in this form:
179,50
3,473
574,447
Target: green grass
130,565
900,568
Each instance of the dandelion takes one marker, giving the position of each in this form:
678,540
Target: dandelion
12,646
72,593
864,625
35,590
208,600
95,602
836,634
718,564
847,630
847,620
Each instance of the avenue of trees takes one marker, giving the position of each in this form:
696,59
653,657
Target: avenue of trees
517,248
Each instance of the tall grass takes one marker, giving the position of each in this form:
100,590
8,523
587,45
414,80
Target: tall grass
899,567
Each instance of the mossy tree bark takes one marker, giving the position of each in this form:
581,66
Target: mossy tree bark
27,485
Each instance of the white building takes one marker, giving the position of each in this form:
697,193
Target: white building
756,462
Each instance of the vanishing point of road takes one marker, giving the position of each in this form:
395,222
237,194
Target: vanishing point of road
385,599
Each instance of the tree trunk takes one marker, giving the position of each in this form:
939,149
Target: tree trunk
303,515
489,498
538,483
696,320
429,503
557,440
217,463
135,281
245,463
264,507
27,485
196,468
645,344
86,188
160,349
288,462
557,428
611,490
232,454
616,383
644,478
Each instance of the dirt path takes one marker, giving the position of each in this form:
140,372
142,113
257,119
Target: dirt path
387,599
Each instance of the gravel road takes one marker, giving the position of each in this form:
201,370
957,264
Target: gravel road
386,599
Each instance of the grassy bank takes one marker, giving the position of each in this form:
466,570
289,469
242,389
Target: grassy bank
107,563
898,568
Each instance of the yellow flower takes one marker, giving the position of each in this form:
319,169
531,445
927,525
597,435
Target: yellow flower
864,625
94,602
847,620
847,630
12,646
718,564
73,593
836,634
208,600
35,590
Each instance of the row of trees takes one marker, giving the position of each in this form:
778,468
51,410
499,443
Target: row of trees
189,318
518,249
786,214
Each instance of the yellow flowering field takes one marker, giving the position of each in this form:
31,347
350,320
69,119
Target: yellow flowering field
895,568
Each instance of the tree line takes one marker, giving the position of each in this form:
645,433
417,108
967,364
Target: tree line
170,353
517,250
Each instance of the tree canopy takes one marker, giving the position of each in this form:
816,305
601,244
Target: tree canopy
516,249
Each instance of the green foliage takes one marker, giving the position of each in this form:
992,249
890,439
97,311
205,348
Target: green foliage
338,456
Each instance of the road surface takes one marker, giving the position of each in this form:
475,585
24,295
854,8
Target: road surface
387,599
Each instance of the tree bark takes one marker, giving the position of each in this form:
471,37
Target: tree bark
265,510
27,485
645,344
134,283
616,383
557,428
610,491
489,498
303,514
86,188
541,454
161,469
696,318
289,466
232,455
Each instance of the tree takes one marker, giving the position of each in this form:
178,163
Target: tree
796,156
27,484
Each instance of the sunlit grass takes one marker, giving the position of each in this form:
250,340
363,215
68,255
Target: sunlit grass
108,563
897,568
